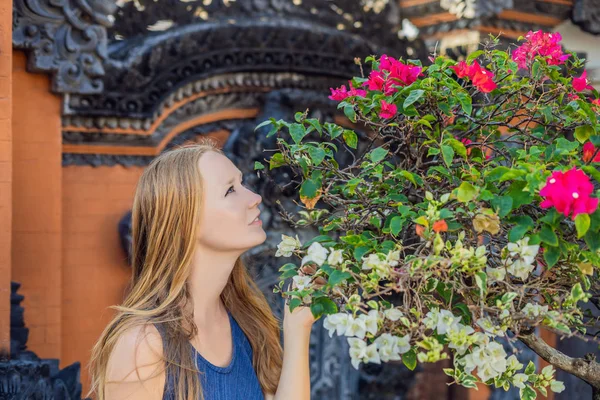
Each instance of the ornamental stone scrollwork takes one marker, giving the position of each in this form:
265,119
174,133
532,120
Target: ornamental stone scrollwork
25,375
66,38
586,14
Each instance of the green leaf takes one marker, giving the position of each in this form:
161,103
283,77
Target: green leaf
527,393
309,188
502,204
333,129
481,280
378,154
276,161
551,255
396,225
338,277
592,239
466,192
410,359
582,133
497,173
547,235
258,165
593,171
297,131
360,251
294,303
350,113
530,369
315,124
458,147
582,223
519,196
447,154
350,138
524,223
473,56
413,97
317,155
465,102
265,123
465,312
288,267
328,305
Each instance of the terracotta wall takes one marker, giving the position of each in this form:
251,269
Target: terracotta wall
94,270
5,170
37,180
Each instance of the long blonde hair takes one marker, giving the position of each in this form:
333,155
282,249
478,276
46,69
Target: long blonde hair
165,217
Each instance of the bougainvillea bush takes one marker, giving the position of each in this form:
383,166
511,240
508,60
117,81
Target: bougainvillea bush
471,218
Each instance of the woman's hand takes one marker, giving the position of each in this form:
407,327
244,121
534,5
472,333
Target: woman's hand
301,319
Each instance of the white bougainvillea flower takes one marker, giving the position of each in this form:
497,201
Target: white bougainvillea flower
557,386
372,261
287,246
460,338
360,352
317,253
386,346
392,258
487,325
402,344
356,327
446,321
520,268
513,363
393,314
371,321
497,274
337,323
335,257
302,281
489,359
519,380
522,250
534,310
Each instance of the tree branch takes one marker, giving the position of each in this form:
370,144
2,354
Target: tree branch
587,370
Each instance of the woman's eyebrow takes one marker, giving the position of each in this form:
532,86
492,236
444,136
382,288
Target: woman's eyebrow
232,179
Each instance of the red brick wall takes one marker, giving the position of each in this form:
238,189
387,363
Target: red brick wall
36,206
94,270
5,170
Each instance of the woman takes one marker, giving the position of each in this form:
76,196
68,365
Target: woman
194,325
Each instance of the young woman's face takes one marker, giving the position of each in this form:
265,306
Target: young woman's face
229,208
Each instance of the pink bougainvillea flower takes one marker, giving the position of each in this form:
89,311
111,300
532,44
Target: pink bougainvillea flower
338,94
376,80
462,69
582,83
481,77
342,93
596,101
467,142
569,192
392,73
387,110
588,152
543,44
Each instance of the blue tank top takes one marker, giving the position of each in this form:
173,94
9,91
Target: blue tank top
237,381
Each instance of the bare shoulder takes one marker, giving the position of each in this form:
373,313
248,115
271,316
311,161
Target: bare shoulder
135,367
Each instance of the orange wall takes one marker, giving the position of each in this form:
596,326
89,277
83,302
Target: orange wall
5,170
37,179
94,270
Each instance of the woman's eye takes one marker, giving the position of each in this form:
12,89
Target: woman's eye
232,189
